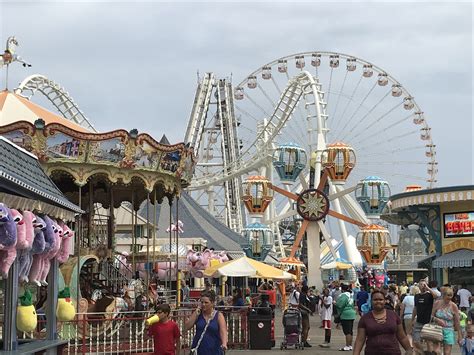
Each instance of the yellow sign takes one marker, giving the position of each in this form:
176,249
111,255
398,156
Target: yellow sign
459,244
409,276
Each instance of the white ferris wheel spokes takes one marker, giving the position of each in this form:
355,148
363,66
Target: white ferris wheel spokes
317,98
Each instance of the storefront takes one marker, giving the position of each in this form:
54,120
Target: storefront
444,219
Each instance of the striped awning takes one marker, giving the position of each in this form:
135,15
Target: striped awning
458,258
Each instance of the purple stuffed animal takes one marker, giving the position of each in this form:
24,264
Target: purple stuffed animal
7,228
56,245
37,251
8,255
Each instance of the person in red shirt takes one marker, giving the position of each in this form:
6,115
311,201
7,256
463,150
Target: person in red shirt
165,333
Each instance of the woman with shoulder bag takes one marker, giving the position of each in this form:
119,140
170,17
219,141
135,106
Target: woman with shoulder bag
446,314
381,330
211,328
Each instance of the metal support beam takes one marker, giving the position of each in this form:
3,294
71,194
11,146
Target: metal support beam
10,341
52,301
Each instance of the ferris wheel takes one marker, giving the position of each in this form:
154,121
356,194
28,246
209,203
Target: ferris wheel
315,99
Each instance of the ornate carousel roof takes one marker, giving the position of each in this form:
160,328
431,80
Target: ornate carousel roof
133,164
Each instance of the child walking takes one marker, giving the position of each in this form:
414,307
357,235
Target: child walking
165,333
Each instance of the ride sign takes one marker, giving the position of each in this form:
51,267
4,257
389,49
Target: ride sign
458,224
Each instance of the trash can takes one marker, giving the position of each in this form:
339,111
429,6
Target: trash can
260,331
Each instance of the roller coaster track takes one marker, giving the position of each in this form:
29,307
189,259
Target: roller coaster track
302,84
199,111
57,95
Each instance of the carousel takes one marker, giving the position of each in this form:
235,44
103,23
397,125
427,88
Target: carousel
98,171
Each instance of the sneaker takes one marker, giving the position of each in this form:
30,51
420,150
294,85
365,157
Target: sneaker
324,345
346,348
307,345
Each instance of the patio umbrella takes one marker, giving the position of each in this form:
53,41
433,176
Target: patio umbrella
338,264
246,267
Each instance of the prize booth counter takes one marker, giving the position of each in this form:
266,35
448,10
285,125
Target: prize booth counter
27,195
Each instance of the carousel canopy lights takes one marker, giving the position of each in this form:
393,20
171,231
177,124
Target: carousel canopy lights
373,242
339,159
258,239
289,160
372,193
256,194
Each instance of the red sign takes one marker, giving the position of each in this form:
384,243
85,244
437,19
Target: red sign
458,224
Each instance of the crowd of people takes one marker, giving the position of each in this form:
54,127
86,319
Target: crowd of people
389,317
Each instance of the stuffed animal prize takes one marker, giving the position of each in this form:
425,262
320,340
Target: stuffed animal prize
65,310
26,319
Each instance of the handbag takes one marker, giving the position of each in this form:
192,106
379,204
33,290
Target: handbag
432,332
194,350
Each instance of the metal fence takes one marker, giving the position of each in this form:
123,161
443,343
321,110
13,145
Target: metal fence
122,333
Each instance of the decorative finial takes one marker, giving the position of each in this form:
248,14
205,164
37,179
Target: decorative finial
9,56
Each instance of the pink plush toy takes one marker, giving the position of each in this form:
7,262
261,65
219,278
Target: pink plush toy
24,245
55,247
164,272
67,238
8,255
198,261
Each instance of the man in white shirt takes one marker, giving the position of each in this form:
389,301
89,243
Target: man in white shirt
326,316
294,300
464,295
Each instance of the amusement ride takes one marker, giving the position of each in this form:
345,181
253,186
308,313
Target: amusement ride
298,124
307,116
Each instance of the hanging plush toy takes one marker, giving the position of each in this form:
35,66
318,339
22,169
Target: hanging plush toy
7,228
23,246
65,311
55,246
8,255
67,239
26,318
39,249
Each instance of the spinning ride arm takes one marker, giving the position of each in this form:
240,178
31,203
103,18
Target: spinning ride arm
58,97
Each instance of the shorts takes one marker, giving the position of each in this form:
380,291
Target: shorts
327,324
408,325
417,332
448,336
347,326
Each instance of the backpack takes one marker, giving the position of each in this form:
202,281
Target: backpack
367,306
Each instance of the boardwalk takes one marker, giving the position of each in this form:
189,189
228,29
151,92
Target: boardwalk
316,337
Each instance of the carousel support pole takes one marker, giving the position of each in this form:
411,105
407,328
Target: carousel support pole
178,282
111,226
148,241
170,241
133,236
78,251
52,301
178,289
154,228
10,341
90,222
